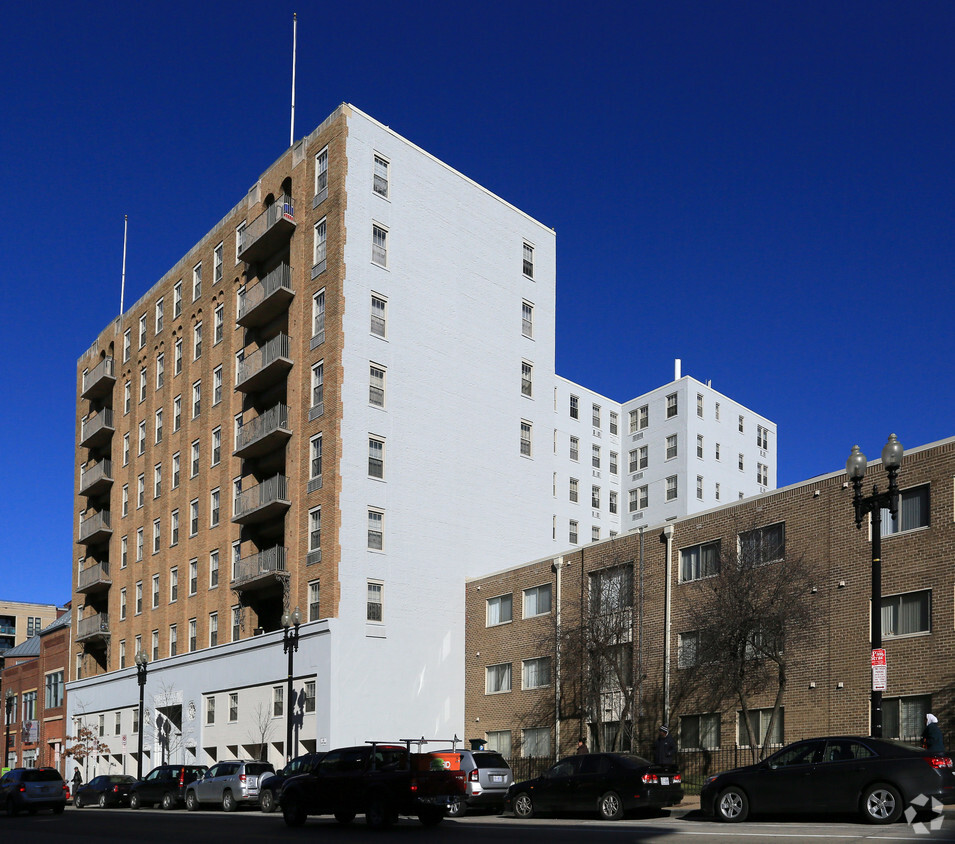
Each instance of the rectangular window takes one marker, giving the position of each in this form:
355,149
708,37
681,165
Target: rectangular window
125,499
142,331
595,497
216,385
376,458
375,606
194,459
379,245
527,319
175,470
174,528
160,369
613,462
499,741
219,325
122,604
379,315
573,489
613,501
764,545
177,356
142,437
177,299
498,678
537,600
595,415
278,701
197,281
903,718
595,456
500,610
176,413
140,491
908,614
700,561
741,428
142,385
762,437
611,590
318,318
213,629
913,512
159,425
321,174
527,379
525,438
699,446
574,407
157,480
194,517
572,531
233,707
535,742
536,673
376,385
699,405
193,632
156,536
643,457
700,732
314,597
376,530
699,487
211,709
574,448
716,411
688,649
671,447
127,389
673,489
672,405
124,553
126,345
643,417
318,386
740,461
155,602
717,492
139,599
315,458
380,184
214,508
217,264
759,722
717,452
762,474
193,576
213,569
614,422
126,449
318,247
236,623
309,696
196,398
528,260
216,446
315,529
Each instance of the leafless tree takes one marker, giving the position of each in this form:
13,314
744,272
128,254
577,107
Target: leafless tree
260,730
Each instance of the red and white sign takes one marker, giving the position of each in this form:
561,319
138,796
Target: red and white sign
879,670
124,741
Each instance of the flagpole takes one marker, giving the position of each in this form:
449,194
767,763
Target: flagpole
291,139
122,289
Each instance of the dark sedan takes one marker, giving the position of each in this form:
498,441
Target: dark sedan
610,784
876,777
104,791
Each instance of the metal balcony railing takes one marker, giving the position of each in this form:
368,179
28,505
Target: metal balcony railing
94,627
255,371
100,379
261,302
263,433
263,235
262,501
99,475
96,526
93,576
260,568
97,428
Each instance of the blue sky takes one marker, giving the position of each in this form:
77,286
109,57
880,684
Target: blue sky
762,189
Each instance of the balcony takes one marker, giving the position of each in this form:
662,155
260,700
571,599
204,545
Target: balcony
97,479
267,232
262,502
93,629
99,380
265,300
263,434
96,528
94,578
265,365
97,430
260,571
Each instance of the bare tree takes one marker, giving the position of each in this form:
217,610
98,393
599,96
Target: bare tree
744,618
260,730
85,744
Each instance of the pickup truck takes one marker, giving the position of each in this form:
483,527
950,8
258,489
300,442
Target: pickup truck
379,780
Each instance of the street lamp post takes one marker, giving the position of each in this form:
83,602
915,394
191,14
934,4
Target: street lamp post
141,663
875,504
10,698
290,645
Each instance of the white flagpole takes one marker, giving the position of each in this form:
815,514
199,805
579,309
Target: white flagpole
291,139
122,290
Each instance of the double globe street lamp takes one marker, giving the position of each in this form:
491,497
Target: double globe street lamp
874,504
10,698
290,645
141,662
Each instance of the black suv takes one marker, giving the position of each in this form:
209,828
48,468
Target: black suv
32,789
165,785
270,790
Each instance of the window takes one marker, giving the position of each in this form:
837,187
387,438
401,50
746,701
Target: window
126,345
908,614
700,561
213,569
762,474
573,489
672,488
380,184
699,405
29,708
140,491
762,437
574,407
124,553
376,385
611,590
318,317
759,722
527,319
309,696
211,709
160,369
142,331
671,447
572,530
613,462
315,458
536,673
122,653
159,425
213,629
537,600
741,423
318,386
643,417
595,534
194,517
315,529
741,461
764,545
193,576
528,260
177,299
155,601
176,413
214,508
595,456
194,459
614,421
643,457
236,623
314,596
717,492
125,499
126,397
699,487
379,308
157,480
218,325
196,398
904,717
497,678
375,606
535,741
321,174
216,385
525,438
177,356
142,385
699,446
717,411
717,452
192,634
639,498
156,536
197,281
688,649
376,458
216,446
527,379
278,702
913,512
595,415
379,245
122,604
233,706
574,448
376,530
500,741
217,264
672,405
125,449
700,732
175,470
595,497
174,528
500,610
139,599
613,501
142,437
318,247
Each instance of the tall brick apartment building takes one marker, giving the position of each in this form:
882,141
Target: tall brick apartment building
512,655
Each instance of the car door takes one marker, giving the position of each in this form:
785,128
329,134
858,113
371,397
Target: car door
150,790
589,781
785,781
554,789
206,786
842,773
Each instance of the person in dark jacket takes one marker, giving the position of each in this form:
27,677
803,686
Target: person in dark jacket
664,748
932,739
582,747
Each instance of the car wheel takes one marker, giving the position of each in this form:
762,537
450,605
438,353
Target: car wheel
78,802
168,801
344,817
457,808
293,812
267,801
523,806
611,806
881,803
431,815
192,802
732,805
134,801
379,813
102,801
228,802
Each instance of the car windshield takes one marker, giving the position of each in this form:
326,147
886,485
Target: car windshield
34,775
490,760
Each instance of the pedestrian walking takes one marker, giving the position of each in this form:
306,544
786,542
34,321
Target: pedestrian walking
932,739
664,748
582,747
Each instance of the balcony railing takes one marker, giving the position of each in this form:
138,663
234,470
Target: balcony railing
263,501
99,380
265,365
264,433
96,479
260,570
96,528
264,300
94,578
93,628
97,429
268,231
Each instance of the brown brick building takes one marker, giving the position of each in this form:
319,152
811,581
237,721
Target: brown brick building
512,658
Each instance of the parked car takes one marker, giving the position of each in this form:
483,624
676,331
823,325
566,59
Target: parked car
103,791
876,777
165,785
610,784
230,783
488,778
32,789
270,788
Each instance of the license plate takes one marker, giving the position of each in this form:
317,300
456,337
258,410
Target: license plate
497,778
664,780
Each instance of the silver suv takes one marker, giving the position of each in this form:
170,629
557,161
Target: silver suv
230,783
488,778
